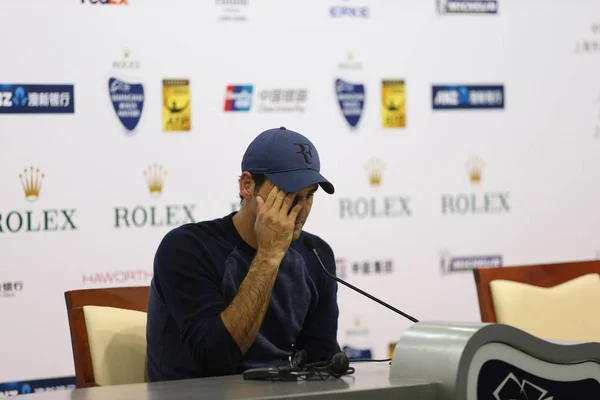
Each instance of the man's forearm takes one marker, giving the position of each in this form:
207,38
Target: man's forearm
244,316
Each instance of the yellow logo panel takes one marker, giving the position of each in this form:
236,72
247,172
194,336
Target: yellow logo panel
176,105
393,111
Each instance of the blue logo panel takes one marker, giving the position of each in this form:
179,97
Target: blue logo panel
9,389
357,354
452,97
351,98
37,99
127,100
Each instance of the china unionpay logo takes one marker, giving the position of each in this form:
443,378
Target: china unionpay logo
238,98
36,99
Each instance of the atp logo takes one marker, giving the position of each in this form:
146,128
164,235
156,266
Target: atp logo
512,389
305,151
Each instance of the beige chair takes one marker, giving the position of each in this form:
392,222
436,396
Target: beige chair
552,301
108,335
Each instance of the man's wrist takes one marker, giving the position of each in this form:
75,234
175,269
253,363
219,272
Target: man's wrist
269,257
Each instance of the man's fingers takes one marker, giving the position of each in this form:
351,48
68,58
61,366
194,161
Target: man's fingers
260,203
278,200
295,211
271,197
287,203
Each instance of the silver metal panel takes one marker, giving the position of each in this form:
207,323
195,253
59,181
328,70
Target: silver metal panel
370,381
442,351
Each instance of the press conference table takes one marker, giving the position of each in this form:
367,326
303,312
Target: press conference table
369,381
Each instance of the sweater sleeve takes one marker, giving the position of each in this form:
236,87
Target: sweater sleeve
319,333
188,282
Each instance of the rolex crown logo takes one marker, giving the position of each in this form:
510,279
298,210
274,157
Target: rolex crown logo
155,178
475,167
31,180
375,169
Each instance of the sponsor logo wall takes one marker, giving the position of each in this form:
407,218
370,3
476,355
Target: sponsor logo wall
441,149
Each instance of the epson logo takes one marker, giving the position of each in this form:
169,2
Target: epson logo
446,98
352,12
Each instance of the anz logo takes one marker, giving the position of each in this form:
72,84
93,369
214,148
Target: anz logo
8,100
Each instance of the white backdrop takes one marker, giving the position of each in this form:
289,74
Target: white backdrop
541,150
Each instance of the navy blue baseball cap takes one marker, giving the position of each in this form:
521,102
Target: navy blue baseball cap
287,158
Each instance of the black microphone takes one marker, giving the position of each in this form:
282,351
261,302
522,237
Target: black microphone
310,244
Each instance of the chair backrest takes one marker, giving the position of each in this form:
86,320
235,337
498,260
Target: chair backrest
108,334
552,301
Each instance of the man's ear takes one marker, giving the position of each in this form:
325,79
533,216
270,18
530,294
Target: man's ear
246,186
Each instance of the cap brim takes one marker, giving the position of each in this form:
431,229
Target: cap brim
294,181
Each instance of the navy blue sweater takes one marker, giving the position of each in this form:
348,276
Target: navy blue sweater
198,268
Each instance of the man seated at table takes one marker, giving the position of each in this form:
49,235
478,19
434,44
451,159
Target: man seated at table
243,291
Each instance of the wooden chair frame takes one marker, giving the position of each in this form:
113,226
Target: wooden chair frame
130,298
543,275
